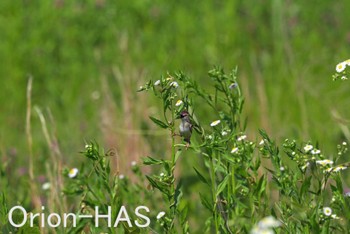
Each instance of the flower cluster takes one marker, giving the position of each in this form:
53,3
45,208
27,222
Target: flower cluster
341,71
309,155
328,213
304,156
335,169
240,139
266,225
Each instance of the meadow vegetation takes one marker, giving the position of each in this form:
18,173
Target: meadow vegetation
92,91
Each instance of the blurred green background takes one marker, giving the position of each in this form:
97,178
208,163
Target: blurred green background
88,58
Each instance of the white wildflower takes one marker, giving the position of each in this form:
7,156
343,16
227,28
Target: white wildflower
324,162
46,186
214,123
265,226
269,222
174,84
232,86
340,67
315,151
327,211
241,138
160,214
328,170
339,168
257,230
308,147
305,166
234,150
157,83
73,172
179,103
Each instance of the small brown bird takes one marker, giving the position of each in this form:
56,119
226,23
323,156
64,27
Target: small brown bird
186,127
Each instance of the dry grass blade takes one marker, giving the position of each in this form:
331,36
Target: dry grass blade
33,188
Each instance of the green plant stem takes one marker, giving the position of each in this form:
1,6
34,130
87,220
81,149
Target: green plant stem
228,97
173,163
233,181
94,194
213,190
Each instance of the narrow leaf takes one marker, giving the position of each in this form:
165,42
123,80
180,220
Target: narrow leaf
177,195
158,122
201,177
152,161
153,182
222,185
205,202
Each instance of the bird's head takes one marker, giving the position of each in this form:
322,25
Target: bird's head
184,114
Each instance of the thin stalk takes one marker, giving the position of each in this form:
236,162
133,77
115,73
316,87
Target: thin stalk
213,191
28,128
173,163
33,187
233,181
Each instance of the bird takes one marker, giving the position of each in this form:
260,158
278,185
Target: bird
186,127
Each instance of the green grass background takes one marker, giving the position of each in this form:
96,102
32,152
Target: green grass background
286,52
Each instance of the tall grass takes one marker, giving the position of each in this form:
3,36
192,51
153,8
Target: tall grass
87,58
246,185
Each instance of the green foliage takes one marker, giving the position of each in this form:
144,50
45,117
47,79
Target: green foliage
245,185
6,227
75,49
97,187
240,185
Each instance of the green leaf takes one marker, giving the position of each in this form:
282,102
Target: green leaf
183,213
177,154
153,183
264,135
222,185
152,161
27,229
339,183
131,230
177,196
158,122
229,158
167,167
3,209
201,177
205,202
305,187
256,164
261,186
